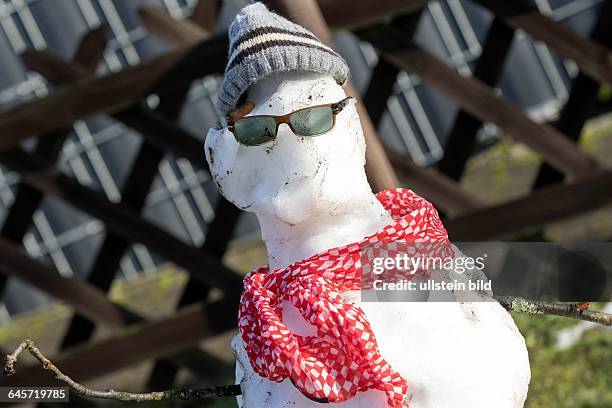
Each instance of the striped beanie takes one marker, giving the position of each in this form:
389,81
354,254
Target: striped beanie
261,43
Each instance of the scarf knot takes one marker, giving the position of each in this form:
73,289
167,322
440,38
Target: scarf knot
343,358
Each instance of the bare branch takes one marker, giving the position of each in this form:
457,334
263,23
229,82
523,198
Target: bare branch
185,394
517,304
573,310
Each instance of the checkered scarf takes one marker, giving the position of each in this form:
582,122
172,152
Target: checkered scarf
343,358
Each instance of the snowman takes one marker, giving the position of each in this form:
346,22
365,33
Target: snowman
290,149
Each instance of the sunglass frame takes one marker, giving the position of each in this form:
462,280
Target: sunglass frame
336,108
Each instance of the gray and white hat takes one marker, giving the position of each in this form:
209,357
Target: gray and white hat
261,43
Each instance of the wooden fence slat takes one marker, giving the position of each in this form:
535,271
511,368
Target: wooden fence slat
111,93
220,230
582,100
177,32
153,125
481,101
91,49
134,345
340,14
120,90
123,221
205,13
434,186
593,58
27,200
218,235
540,208
462,136
86,299
429,182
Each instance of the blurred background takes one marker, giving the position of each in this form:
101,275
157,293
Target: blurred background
570,360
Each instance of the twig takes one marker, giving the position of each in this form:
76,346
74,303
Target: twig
518,304
573,310
185,394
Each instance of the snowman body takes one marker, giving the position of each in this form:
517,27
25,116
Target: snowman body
452,355
311,194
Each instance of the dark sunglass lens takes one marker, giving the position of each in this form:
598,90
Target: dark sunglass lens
313,121
252,131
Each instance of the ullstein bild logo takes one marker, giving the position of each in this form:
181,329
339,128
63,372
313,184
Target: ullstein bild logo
536,270
432,285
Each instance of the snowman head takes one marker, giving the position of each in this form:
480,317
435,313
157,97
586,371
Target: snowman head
279,67
292,177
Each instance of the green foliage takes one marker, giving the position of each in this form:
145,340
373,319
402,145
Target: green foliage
605,93
579,376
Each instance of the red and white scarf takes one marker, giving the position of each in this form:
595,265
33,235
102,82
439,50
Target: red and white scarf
343,358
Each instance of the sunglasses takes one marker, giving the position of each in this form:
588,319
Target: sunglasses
308,122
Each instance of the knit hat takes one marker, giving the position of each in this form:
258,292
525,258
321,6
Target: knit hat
261,43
